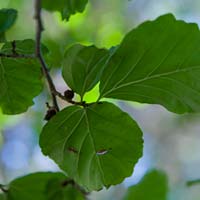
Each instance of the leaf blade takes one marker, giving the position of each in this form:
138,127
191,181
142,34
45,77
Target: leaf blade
66,8
153,186
90,140
18,89
7,19
42,186
83,66
157,63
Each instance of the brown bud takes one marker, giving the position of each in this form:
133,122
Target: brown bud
69,94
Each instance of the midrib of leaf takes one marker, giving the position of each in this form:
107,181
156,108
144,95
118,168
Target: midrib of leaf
95,150
135,65
112,74
132,68
149,78
60,124
84,115
164,90
120,138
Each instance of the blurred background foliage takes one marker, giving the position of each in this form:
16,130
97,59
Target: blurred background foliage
172,142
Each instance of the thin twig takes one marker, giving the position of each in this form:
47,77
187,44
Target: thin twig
38,52
13,43
3,189
54,92
82,103
17,55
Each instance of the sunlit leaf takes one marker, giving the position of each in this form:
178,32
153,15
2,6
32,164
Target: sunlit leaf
66,7
97,145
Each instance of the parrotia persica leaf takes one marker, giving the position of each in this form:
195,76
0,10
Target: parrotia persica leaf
20,78
83,66
157,63
2,196
39,186
66,7
57,190
97,145
153,186
7,19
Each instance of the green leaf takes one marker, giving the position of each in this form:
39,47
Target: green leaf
157,63
97,145
66,7
7,19
39,186
31,187
2,37
54,191
20,78
83,66
154,186
3,196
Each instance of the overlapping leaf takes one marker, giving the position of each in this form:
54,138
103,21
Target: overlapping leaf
97,145
154,186
7,19
66,7
20,78
57,190
39,186
82,67
157,63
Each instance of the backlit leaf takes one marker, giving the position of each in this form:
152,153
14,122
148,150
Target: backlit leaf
66,7
82,67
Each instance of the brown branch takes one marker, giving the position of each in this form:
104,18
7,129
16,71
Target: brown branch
3,189
54,92
38,52
82,103
13,43
16,55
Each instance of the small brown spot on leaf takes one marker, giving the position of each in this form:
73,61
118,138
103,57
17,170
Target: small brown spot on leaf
72,149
